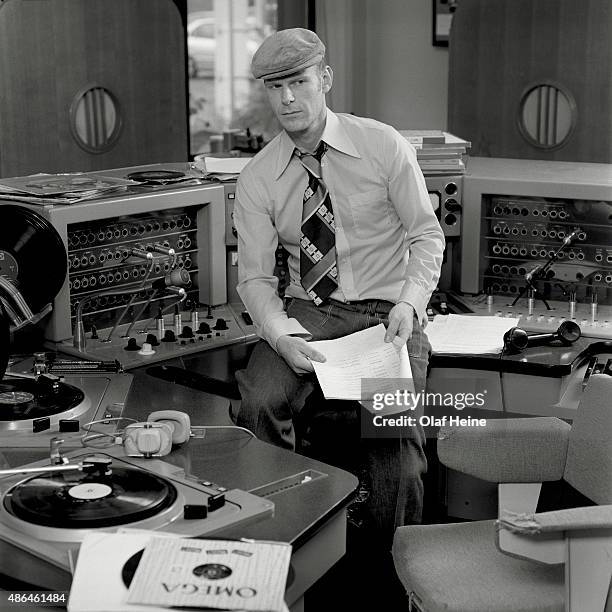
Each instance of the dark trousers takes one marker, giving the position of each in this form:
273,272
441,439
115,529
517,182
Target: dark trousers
274,398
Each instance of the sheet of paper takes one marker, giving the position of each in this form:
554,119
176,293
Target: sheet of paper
471,335
359,356
225,165
221,574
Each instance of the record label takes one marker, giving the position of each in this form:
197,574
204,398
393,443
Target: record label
90,490
9,267
12,398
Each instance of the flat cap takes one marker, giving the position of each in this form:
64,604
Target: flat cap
286,52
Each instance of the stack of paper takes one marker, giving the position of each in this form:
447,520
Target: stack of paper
465,334
221,168
361,356
438,152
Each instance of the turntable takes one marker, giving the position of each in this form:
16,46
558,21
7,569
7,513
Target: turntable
45,515
34,408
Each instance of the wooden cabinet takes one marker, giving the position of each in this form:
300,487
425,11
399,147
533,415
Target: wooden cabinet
91,84
501,50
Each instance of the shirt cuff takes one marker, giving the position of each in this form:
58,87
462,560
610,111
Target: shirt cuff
283,326
417,297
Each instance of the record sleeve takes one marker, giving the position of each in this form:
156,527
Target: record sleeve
217,574
97,584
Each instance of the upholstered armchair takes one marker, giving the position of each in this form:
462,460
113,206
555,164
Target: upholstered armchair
549,561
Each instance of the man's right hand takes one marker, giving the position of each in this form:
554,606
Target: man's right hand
298,354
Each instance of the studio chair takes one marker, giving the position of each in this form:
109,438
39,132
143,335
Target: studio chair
524,561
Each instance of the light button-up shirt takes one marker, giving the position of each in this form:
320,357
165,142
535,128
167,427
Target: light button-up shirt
389,244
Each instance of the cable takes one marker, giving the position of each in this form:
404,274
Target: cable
165,309
108,420
116,435
144,306
501,381
196,427
87,439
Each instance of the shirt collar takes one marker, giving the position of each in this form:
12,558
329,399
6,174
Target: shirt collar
334,135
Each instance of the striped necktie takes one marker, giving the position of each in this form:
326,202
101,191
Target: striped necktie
317,241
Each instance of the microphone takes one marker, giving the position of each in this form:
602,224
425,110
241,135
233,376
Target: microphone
178,277
532,273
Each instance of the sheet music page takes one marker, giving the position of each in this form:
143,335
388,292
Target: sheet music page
471,335
359,356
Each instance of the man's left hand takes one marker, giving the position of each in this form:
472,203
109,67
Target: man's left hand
399,330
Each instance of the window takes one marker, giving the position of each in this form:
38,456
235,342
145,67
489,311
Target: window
222,36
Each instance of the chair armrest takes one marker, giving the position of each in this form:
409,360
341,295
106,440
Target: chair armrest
507,450
573,519
559,536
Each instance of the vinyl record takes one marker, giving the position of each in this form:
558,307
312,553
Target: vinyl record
156,176
5,338
82,501
25,398
32,255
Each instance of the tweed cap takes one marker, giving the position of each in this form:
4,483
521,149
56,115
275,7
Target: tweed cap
286,52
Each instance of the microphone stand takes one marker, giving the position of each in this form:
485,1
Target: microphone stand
540,272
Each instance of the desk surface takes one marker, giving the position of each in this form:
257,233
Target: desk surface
233,459
230,457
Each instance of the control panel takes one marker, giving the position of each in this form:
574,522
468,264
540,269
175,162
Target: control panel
595,320
521,234
446,194
115,254
179,333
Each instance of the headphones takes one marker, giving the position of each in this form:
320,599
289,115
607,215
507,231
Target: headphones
517,339
153,437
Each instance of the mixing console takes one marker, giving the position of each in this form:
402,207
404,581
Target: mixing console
150,341
541,319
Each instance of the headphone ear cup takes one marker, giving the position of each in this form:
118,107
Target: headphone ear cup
147,439
179,423
516,340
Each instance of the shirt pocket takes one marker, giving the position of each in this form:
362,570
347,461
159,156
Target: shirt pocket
370,211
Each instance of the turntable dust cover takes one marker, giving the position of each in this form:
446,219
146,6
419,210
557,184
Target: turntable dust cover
223,574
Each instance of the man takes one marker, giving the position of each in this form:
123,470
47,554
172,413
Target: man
345,197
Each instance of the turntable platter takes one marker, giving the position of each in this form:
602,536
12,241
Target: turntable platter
27,399
68,501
